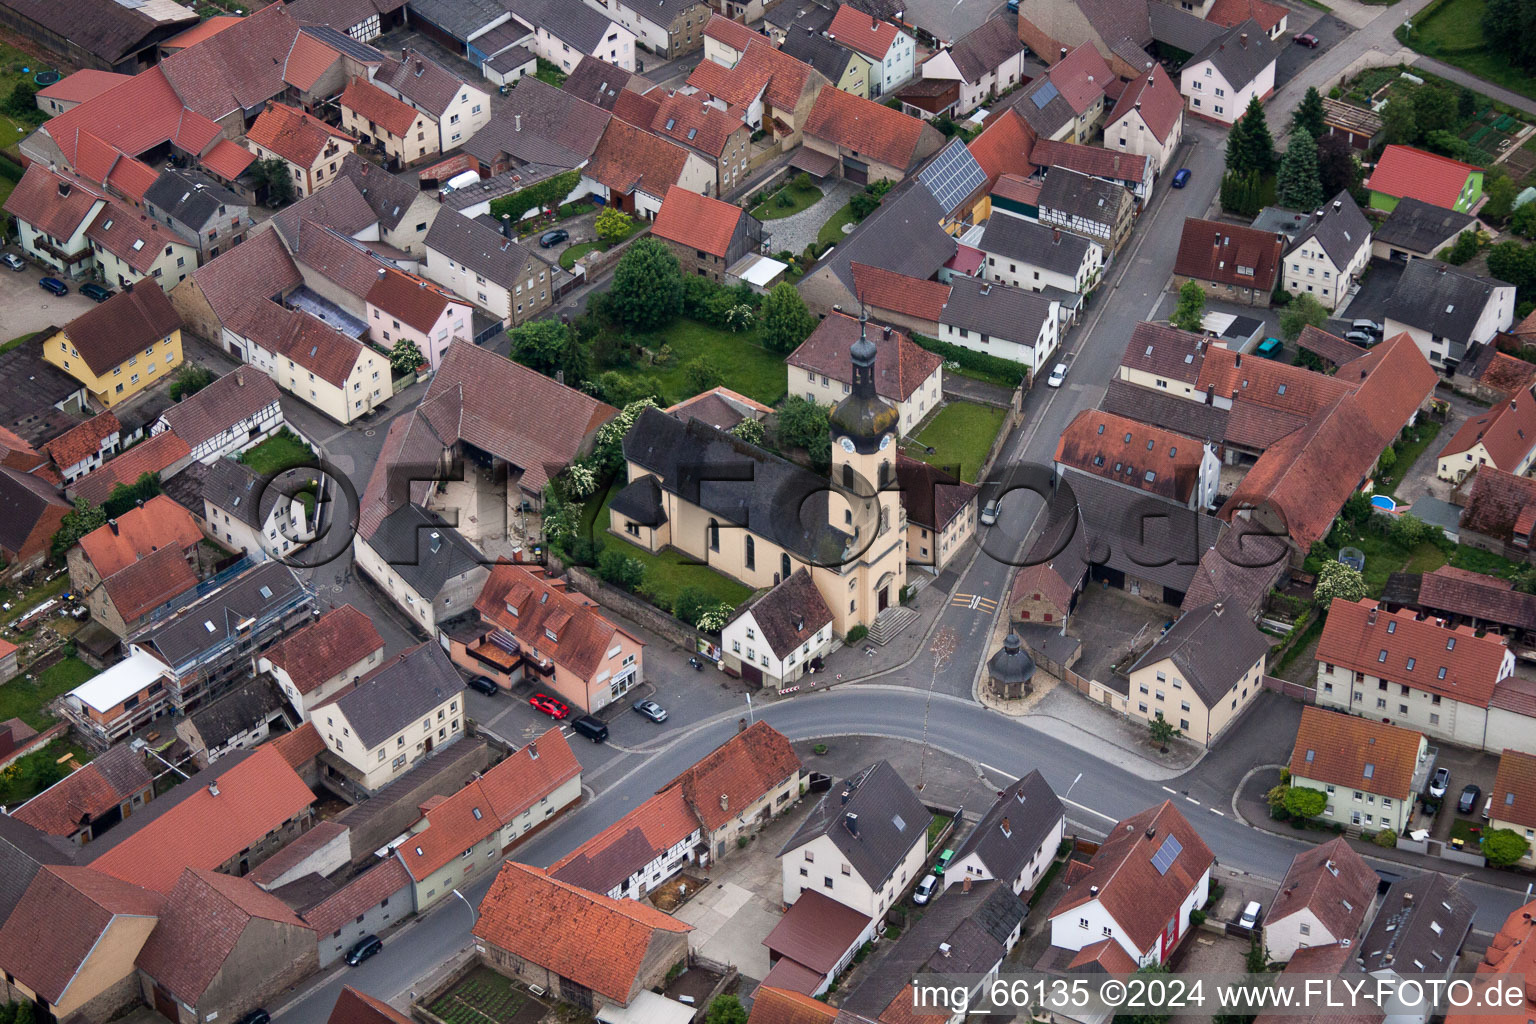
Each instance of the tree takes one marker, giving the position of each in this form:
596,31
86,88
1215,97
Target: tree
1162,731
1387,461
1398,124
619,389
1504,846
786,321
1523,223
726,1010
405,357
1466,104
1256,960
1434,109
1303,310
701,374
1502,192
750,431
77,522
800,423
580,479
1337,168
22,102
690,603
647,286
1509,28
549,347
1305,803
1298,186
544,195
560,518
1147,1016
272,175
1241,193
714,619
612,225
1250,147
125,497
1465,248
1338,582
1309,113
1512,262
189,379
1190,312
620,569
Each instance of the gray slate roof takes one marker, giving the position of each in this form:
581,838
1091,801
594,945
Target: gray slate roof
574,23
252,702
459,18
339,41
1035,244
403,691
1014,314
1181,29
1341,230
1212,646
890,818
640,500
1404,937
185,636
599,82
235,488
23,501
190,196
1077,194
1238,61
340,207
538,123
1422,227
23,851
405,539
1160,409
903,235
1444,300
37,386
480,248
819,52
1031,809
387,195
985,47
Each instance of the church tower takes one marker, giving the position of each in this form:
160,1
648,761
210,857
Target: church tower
866,504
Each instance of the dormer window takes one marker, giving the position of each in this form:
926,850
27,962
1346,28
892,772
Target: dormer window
551,634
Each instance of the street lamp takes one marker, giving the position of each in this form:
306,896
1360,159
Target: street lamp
473,917
1074,782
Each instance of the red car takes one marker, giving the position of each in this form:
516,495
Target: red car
1308,40
551,706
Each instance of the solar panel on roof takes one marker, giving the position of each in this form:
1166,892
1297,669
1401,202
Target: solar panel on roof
1166,854
1043,95
953,175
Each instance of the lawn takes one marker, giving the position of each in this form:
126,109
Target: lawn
283,450
549,73
1383,558
1468,832
35,772
27,699
937,825
748,368
832,231
1452,31
5,190
573,253
668,572
12,60
774,208
29,599
960,434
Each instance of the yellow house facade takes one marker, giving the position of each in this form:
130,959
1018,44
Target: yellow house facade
1201,674
121,347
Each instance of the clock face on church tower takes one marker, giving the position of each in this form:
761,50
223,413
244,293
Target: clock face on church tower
847,443
885,442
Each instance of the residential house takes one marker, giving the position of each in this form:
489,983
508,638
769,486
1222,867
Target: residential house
234,413
1100,210
735,789
366,905
1068,102
1272,18
53,209
669,28
906,375
87,802
426,567
1029,255
221,946
1447,310
404,307
25,851
1497,514
1015,840
335,373
314,663
707,236
243,717
720,407
74,89
1327,257
1418,230
309,148
1404,172
983,63
703,129
1509,954
865,140
941,512
1512,801
845,69
164,455
1418,931
496,273
779,636
910,302
69,945
538,930
1324,898
1370,771
458,108
1212,669
890,50
1503,437
633,169
1135,173
774,91
599,82
566,34
136,563
1230,71
199,210
637,853
131,248
400,132
1010,323
1235,264
84,447
1486,603
1148,119
111,704
538,124
773,1005
248,513
1138,889
33,511
725,39
137,594
354,1007
404,211
460,836
1142,457
1124,33
363,20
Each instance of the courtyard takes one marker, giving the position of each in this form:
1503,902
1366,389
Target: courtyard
958,434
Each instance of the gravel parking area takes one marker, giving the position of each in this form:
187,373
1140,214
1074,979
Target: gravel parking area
25,308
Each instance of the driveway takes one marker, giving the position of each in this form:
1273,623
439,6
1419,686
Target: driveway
797,231
1370,302
25,308
1294,58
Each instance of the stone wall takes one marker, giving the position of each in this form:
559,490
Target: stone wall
631,607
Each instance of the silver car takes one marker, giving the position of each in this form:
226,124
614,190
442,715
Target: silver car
650,709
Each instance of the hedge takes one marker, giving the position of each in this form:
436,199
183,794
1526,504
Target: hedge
1003,371
546,193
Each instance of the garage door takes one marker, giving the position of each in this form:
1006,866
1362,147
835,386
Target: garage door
1399,256
856,171
752,674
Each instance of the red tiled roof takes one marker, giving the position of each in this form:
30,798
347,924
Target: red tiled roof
358,896
1081,76
205,29
690,122
131,178
886,289
1212,251
1093,160
1003,147
368,100
1357,632
228,159
300,746
636,108
132,237
816,931
413,299
239,68
292,134
697,222
80,443
1161,104
1140,898
783,1006
1408,173
20,455
1108,954
1333,882
247,274
101,785
1508,374
151,456
596,942
258,793
761,65
1498,502
326,647
1040,582
1121,449
160,523
901,365
149,583
295,853
1232,13
1346,750
110,333
1507,432
354,1007
37,200
1020,190
732,33
629,158
862,32
1514,789
871,129
1392,380
609,858
134,116
82,85
736,774
316,346
307,61
530,772
1265,382
585,636
195,132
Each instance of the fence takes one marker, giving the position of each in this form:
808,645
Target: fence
35,744
1296,691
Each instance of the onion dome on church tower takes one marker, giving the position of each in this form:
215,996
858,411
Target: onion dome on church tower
864,418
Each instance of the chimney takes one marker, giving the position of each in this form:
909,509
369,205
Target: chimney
965,884
1407,898
420,67
1093,890
1151,832
1338,204
63,189
986,289
1056,236
113,524
852,821
944,948
381,273
1138,106
213,789
1243,40
725,801
404,54
1006,830
1216,609
517,122
533,751
1238,360
1063,53
846,794
886,333
437,542
1371,618
874,23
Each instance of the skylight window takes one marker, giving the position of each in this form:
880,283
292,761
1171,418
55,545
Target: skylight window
1370,771
266,593
138,243
208,625
899,822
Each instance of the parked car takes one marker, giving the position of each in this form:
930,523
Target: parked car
1250,917
1368,326
1308,40
1270,348
554,237
989,512
650,709
92,290
592,727
942,864
1440,782
1470,794
924,891
484,684
1013,6
1181,177
551,706
53,284
1058,376
1361,338
366,947
14,262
